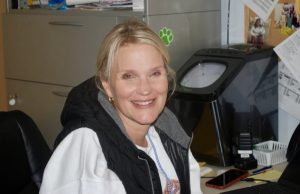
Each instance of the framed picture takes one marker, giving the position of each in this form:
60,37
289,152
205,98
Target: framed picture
283,21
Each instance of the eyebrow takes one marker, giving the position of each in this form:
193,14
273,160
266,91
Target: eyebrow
158,67
133,70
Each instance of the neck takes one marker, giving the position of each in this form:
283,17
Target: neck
139,141
138,134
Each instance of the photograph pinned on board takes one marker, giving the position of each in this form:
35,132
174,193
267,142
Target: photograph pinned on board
287,17
282,22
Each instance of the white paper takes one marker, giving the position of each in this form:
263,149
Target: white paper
289,52
262,8
75,2
138,4
288,91
44,2
205,170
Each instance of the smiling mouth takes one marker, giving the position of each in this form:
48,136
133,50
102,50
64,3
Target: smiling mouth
143,103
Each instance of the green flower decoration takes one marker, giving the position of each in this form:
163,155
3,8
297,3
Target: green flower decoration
166,35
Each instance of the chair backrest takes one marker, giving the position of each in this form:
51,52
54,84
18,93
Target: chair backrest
294,144
24,153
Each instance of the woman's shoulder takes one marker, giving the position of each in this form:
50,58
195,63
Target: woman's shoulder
81,137
78,164
82,132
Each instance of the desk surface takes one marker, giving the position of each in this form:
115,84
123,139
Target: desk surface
241,184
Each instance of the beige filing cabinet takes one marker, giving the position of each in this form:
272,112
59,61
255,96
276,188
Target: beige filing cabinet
47,52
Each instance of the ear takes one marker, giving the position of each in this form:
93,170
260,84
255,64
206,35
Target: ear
107,88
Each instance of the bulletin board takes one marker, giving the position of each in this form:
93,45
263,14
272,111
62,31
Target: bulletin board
283,21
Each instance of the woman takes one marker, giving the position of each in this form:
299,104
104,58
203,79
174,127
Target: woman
119,137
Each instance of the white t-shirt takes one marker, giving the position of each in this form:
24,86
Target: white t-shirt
78,166
162,158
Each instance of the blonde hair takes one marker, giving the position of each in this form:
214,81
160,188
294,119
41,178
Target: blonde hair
131,31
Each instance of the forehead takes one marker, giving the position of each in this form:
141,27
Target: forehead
137,56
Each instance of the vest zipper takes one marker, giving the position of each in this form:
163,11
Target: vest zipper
190,143
188,164
152,187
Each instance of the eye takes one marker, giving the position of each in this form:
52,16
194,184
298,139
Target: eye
156,73
127,76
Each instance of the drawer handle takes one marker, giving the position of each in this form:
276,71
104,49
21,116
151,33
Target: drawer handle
60,93
59,23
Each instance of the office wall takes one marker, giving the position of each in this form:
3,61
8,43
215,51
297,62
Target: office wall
3,100
286,122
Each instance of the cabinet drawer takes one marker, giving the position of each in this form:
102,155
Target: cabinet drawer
53,49
42,102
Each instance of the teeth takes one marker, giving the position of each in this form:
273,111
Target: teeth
143,103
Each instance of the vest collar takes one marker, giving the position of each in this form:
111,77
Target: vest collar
166,121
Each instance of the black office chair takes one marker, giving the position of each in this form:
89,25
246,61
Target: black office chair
24,154
294,145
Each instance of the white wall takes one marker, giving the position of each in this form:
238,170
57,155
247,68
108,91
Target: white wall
286,122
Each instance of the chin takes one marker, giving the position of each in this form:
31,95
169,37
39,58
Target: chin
147,121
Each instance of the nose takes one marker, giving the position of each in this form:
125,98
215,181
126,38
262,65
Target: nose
144,87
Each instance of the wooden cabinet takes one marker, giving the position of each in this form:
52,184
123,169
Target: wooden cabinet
47,52
53,49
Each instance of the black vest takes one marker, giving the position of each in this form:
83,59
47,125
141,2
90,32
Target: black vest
135,168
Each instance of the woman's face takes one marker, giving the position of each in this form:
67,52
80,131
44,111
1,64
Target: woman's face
138,84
